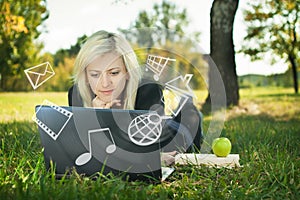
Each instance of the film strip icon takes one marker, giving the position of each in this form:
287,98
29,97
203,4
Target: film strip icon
43,126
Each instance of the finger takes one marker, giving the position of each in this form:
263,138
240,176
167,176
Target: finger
167,160
173,153
98,103
107,106
116,102
112,103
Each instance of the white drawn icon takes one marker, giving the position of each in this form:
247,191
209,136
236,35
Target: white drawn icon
39,74
181,91
62,114
157,64
86,157
145,129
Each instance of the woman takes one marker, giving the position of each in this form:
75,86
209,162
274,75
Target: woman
107,75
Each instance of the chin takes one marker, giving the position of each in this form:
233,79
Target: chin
106,99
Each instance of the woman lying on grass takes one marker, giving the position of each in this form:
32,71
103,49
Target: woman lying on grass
107,75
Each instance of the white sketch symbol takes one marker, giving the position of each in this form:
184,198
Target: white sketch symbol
62,113
145,129
39,74
157,64
179,86
86,157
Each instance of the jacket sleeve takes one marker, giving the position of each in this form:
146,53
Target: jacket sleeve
191,118
150,97
183,130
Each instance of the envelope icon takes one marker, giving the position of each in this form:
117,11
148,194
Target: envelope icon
39,74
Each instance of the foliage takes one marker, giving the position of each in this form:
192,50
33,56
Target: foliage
161,31
62,80
20,27
273,30
270,27
165,16
186,63
62,63
276,80
166,19
267,144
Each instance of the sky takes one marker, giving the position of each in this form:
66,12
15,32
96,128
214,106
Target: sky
71,19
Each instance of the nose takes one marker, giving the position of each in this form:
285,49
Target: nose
105,80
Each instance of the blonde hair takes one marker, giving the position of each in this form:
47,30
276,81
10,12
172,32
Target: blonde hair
100,43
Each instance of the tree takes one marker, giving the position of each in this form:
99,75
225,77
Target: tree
166,18
273,29
222,54
62,80
161,31
20,23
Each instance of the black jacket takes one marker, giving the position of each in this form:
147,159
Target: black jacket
149,97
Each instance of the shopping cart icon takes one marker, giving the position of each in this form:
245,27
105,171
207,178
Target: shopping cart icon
179,92
157,64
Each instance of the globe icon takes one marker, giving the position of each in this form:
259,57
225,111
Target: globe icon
145,129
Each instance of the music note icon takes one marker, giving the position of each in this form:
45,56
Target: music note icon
86,157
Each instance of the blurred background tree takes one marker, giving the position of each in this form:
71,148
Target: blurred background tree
273,30
162,31
63,61
21,24
166,18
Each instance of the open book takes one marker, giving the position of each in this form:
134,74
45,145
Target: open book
230,161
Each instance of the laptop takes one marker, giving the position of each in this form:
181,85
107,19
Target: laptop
94,141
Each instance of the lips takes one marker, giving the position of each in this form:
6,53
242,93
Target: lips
107,92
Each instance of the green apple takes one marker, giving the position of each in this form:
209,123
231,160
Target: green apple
221,146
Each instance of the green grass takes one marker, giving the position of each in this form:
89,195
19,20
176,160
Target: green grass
20,106
267,142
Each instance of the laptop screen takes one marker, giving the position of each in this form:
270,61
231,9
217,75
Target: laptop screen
107,140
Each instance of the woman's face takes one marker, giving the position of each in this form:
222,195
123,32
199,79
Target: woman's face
107,76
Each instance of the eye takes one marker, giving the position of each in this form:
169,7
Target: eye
95,75
114,73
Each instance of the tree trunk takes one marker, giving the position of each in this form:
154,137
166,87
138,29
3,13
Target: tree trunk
3,83
294,70
222,52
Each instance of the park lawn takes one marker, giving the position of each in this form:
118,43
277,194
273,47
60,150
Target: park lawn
20,106
264,131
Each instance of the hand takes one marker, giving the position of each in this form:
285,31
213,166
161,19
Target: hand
98,103
168,158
